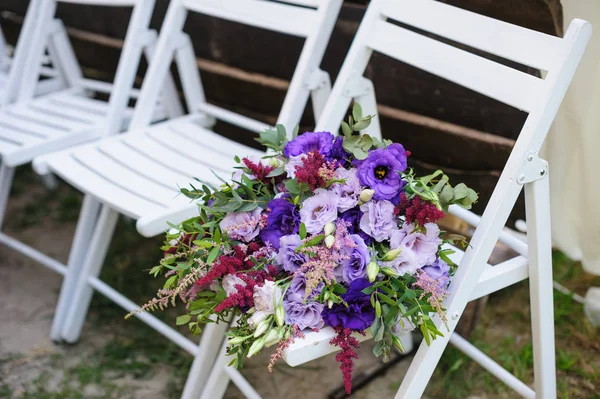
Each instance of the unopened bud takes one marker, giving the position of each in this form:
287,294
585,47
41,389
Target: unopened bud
327,295
279,315
237,340
392,254
256,347
366,195
261,328
389,272
329,229
372,270
329,241
271,337
329,303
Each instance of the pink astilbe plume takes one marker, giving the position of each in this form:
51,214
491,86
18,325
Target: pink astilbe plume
348,345
430,286
283,344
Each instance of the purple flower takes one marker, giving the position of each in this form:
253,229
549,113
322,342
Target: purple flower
283,219
337,152
439,270
297,311
352,219
309,142
400,154
241,225
287,256
294,161
379,172
348,192
359,315
359,257
378,219
319,210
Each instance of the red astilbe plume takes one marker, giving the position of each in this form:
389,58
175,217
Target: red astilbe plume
348,345
225,264
259,170
310,170
243,298
416,209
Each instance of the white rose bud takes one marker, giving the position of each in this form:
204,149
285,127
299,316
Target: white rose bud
392,254
329,241
256,347
372,270
329,229
366,195
261,328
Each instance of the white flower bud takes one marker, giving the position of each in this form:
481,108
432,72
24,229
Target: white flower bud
329,241
366,195
279,315
329,229
329,303
389,271
273,337
372,270
392,254
262,327
237,340
256,347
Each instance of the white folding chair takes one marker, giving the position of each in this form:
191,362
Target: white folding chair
51,78
138,173
539,97
35,126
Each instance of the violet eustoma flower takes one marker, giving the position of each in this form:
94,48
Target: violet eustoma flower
359,256
379,171
438,270
309,142
359,315
348,192
287,256
283,219
297,311
241,225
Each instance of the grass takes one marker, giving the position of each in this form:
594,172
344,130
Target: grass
136,352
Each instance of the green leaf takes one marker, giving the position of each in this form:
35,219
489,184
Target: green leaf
213,255
361,125
360,154
302,231
184,319
346,129
377,309
357,111
169,283
292,186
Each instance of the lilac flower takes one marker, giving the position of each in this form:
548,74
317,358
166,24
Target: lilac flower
418,249
378,219
294,161
348,192
438,270
287,255
399,152
283,219
309,142
359,256
359,315
319,210
297,311
379,172
241,225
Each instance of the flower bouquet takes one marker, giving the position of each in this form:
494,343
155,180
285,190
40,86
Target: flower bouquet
323,232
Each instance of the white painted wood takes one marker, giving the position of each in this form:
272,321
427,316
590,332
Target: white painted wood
494,80
534,49
537,200
110,3
278,17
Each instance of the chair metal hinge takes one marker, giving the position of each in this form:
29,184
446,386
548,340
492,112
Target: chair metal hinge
534,168
357,86
316,80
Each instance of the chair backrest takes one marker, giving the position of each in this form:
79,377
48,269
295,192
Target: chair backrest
540,97
136,39
310,19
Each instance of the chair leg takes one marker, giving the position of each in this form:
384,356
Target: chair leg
210,342
218,380
537,204
81,241
6,177
94,258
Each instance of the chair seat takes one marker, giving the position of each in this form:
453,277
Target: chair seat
139,173
49,123
316,344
